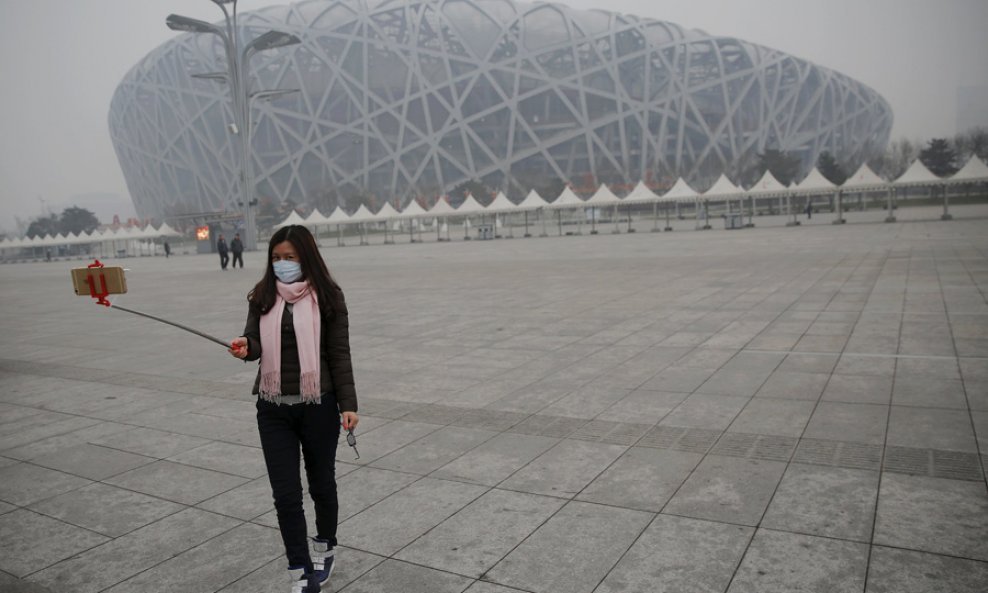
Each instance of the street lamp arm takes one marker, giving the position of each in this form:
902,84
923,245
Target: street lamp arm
270,40
177,22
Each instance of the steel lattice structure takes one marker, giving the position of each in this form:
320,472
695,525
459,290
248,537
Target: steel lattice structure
408,98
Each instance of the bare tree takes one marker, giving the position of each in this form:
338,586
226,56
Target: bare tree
973,142
899,154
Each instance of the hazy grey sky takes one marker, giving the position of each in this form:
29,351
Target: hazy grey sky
61,61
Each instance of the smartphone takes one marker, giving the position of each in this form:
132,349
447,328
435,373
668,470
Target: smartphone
116,282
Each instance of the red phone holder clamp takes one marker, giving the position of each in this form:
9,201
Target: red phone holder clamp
103,292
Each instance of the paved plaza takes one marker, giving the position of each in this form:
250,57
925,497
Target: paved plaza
766,410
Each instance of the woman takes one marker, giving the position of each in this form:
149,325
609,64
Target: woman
297,326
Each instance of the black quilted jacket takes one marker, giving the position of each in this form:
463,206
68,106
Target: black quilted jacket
335,371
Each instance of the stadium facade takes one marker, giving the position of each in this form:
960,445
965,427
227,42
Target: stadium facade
405,99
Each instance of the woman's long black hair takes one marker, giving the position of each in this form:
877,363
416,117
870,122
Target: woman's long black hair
314,270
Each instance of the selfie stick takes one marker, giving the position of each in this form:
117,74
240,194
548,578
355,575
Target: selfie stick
103,292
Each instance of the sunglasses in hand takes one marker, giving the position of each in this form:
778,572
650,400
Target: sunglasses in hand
352,441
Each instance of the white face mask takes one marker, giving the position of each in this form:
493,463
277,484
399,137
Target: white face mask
287,271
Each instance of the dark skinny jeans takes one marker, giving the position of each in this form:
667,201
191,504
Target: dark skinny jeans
315,429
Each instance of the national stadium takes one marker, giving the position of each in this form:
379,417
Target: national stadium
402,100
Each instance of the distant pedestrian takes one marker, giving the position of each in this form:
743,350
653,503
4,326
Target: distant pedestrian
47,254
809,209
168,249
223,251
237,248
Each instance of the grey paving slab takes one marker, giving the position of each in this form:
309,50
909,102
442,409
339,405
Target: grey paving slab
573,551
174,481
434,450
244,502
642,478
366,486
932,428
225,457
378,443
894,571
825,501
150,442
858,423
92,461
24,483
794,385
66,441
858,389
706,411
681,555
643,406
728,489
735,382
933,515
678,378
106,509
211,565
565,469
773,417
779,562
482,533
394,575
496,459
929,392
809,363
30,542
399,519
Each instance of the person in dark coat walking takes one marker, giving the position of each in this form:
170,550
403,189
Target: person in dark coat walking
168,249
223,251
237,248
298,327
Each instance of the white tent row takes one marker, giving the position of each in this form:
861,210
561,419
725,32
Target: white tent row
864,179
119,234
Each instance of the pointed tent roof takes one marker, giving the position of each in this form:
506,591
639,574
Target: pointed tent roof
337,216
441,207
640,194
362,214
768,185
567,199
316,217
165,230
413,209
680,192
470,206
917,174
863,179
387,212
603,197
974,170
723,187
501,203
533,201
292,218
815,182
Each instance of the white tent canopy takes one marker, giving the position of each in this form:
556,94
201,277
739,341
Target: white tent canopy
470,206
533,201
815,183
316,217
362,215
501,204
723,188
603,197
567,199
680,192
338,215
441,208
292,218
768,185
864,179
974,171
916,174
387,212
413,210
641,194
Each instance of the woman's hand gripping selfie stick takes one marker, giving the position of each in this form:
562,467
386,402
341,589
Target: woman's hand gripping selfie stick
92,278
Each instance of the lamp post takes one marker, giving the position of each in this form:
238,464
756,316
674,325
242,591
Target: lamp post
235,76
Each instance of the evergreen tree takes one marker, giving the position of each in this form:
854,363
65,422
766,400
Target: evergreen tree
939,157
831,169
77,220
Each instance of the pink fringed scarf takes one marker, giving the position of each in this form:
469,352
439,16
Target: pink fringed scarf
307,321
